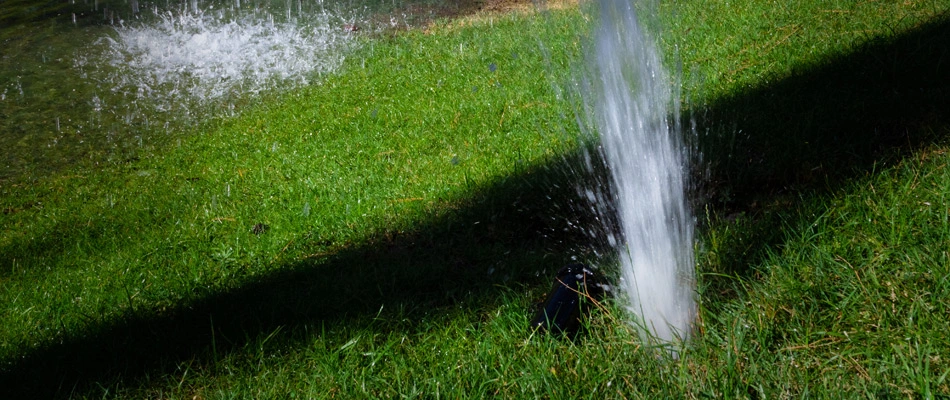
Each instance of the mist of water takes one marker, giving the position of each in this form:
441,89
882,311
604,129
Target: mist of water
220,55
630,106
195,55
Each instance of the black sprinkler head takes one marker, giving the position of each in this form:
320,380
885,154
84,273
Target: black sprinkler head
576,287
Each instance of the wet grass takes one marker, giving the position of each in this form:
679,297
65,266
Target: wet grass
385,232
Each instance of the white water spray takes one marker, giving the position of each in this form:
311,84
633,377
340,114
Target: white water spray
218,56
199,55
628,100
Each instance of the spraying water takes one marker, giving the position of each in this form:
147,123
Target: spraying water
628,99
198,54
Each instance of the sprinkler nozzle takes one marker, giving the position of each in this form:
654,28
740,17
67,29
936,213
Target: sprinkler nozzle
575,288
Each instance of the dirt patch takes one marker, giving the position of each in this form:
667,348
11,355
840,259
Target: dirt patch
423,14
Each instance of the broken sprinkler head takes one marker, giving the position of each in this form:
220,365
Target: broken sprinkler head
575,288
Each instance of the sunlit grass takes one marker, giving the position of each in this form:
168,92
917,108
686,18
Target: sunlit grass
387,231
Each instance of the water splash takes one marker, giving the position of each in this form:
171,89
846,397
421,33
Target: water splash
120,81
188,55
628,98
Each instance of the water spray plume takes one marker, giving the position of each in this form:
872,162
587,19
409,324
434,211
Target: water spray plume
187,55
628,99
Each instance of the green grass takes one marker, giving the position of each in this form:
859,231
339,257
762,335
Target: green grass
418,203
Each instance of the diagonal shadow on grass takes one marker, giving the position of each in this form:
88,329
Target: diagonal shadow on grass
503,235
829,122
802,136
770,149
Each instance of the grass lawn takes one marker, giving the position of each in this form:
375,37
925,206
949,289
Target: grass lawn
387,231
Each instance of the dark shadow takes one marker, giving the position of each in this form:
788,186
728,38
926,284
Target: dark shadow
799,137
511,233
781,146
829,123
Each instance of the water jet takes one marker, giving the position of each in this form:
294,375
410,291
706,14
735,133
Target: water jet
630,109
